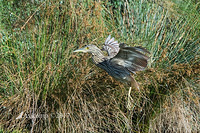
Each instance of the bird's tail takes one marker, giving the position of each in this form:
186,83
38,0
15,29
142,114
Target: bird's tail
134,83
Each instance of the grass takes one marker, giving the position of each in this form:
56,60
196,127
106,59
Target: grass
59,91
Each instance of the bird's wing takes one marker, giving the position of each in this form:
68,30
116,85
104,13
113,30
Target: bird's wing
131,58
111,46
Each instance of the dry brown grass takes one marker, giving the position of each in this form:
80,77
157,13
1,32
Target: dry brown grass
58,91
98,104
176,116
179,111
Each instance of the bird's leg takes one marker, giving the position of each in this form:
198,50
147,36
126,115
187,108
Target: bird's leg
129,99
129,93
135,85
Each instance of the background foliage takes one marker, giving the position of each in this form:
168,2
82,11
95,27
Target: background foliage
53,89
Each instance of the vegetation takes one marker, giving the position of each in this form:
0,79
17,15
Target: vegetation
45,87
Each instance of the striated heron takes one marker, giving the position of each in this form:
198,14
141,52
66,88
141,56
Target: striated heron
121,61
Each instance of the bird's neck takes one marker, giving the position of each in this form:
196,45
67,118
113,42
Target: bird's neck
98,57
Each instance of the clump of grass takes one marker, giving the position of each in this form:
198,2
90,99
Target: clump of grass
180,111
169,40
41,75
55,90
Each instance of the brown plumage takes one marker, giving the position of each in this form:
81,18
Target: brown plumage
121,61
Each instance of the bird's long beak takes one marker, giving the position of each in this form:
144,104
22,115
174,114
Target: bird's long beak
84,50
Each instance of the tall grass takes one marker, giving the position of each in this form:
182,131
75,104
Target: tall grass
59,91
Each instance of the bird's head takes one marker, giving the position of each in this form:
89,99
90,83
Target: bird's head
88,49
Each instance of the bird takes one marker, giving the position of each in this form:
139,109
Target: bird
121,60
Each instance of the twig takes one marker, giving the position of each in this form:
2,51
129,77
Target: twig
31,16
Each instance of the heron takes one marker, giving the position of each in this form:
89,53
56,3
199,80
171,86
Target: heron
121,60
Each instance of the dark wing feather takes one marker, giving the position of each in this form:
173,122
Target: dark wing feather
131,58
141,49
